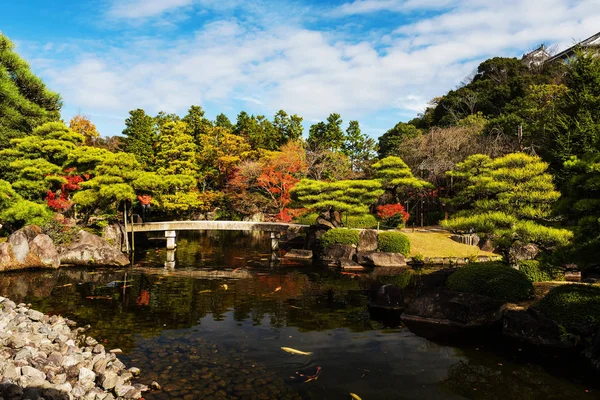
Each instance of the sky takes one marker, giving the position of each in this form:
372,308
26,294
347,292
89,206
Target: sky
375,61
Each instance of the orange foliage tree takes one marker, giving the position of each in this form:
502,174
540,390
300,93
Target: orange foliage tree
82,124
273,176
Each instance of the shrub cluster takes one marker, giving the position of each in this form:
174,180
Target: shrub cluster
393,242
492,279
572,306
537,271
339,236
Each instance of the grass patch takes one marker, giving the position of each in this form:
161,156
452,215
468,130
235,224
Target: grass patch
439,244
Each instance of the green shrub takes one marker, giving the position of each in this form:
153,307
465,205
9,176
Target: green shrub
60,233
572,306
25,212
537,271
339,236
492,279
366,221
306,219
393,242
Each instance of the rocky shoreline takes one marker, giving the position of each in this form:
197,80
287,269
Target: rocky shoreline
46,357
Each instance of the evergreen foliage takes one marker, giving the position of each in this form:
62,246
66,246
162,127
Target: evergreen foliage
339,236
176,151
390,141
393,242
25,102
575,307
140,136
327,136
492,279
353,197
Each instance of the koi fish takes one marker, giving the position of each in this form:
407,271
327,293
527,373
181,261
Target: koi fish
224,286
355,396
294,351
205,291
277,289
65,285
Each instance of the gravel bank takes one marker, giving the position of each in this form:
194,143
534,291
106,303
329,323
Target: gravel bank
46,357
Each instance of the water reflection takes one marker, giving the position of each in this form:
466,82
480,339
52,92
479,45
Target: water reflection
213,326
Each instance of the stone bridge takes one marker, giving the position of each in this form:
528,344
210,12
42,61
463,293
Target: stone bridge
277,229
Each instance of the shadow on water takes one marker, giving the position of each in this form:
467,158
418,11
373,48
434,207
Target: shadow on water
213,327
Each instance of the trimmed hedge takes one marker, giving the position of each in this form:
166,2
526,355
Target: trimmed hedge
492,279
339,236
393,242
572,306
539,272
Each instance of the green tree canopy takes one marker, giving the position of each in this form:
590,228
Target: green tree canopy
359,148
353,197
176,151
390,142
140,136
25,102
197,124
396,177
327,136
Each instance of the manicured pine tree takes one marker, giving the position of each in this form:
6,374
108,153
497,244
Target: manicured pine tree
396,177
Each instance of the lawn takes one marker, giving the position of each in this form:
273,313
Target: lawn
439,244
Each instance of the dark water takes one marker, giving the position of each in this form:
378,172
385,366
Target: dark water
213,327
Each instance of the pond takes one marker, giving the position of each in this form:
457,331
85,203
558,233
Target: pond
213,326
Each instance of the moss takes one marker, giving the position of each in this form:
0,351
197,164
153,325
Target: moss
492,279
537,271
60,233
339,236
572,306
393,242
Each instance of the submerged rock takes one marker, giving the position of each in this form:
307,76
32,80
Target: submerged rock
381,259
89,249
298,254
533,327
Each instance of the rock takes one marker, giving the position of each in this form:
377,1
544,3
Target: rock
256,217
322,222
33,373
134,371
470,239
533,327
89,249
43,252
155,386
335,252
520,252
108,380
349,265
444,312
31,231
113,234
35,315
20,246
386,297
86,376
381,259
312,237
116,351
122,390
487,245
298,254
367,240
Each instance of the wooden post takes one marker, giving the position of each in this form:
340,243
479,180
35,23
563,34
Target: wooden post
132,234
126,230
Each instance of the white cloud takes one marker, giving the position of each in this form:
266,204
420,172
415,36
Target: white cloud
371,6
312,72
144,8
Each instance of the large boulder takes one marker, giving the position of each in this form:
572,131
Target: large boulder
367,240
20,245
43,252
28,248
533,327
522,251
89,249
387,297
114,235
299,254
444,312
380,259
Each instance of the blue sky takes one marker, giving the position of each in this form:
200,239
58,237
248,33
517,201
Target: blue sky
376,61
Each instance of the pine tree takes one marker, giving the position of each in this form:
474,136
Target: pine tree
176,151
25,102
353,197
396,177
223,122
389,142
359,148
140,137
197,123
327,136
